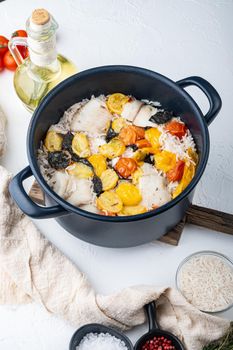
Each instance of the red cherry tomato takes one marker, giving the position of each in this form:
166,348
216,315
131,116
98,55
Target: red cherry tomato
9,61
1,64
143,143
3,45
176,173
22,49
177,129
125,167
22,33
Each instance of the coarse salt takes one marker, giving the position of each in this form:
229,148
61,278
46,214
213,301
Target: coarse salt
101,341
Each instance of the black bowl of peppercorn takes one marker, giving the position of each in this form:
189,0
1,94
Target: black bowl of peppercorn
156,338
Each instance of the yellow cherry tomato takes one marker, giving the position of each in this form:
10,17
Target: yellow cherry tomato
165,161
140,154
99,163
178,190
80,145
53,141
128,193
152,135
115,102
151,150
193,155
118,124
136,176
112,149
189,172
80,170
133,210
109,201
109,179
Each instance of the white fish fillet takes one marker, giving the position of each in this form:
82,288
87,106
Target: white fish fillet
63,126
75,191
83,193
131,109
153,190
143,116
93,118
60,181
148,169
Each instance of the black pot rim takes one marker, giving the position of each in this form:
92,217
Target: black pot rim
75,210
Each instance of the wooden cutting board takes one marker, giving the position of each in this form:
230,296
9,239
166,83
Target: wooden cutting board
209,218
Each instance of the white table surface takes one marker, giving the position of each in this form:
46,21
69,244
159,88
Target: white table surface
176,38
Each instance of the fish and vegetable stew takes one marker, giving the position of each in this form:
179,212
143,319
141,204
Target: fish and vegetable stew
117,156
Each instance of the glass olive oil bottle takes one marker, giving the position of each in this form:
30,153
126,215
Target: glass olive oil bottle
44,68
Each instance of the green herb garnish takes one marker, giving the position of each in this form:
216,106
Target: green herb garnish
224,343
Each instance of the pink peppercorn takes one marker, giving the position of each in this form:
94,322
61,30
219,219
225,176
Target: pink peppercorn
158,343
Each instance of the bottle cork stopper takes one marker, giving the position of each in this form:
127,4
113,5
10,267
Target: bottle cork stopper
40,16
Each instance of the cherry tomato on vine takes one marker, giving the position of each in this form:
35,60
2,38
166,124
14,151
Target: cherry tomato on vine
3,45
22,33
9,62
1,64
22,49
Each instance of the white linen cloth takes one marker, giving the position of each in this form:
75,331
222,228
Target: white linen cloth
33,270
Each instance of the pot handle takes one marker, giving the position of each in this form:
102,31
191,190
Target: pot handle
210,92
25,203
151,315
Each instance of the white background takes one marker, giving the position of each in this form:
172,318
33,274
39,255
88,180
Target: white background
177,38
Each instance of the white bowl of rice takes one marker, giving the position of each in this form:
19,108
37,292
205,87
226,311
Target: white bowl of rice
205,279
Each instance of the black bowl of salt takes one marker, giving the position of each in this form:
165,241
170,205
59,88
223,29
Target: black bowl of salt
98,337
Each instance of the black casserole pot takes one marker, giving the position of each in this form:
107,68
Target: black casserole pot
143,84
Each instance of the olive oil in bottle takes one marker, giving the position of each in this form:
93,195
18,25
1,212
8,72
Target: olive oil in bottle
44,68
